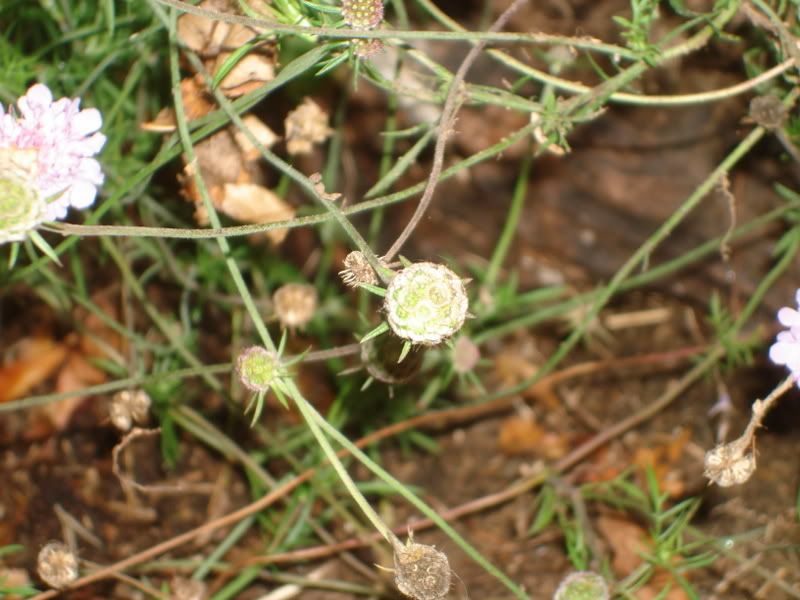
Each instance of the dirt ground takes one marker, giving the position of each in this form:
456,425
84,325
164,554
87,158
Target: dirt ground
585,213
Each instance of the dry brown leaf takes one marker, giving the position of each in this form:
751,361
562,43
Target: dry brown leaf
250,71
77,373
260,131
253,203
653,588
627,541
196,31
196,104
663,460
520,435
216,41
37,359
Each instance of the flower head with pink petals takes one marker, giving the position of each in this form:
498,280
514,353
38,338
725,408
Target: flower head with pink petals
786,349
64,139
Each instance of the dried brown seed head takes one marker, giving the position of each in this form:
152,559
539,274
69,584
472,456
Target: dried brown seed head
305,126
295,304
187,589
129,407
768,111
57,565
421,572
357,270
728,464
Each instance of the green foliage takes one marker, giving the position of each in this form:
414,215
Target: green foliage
195,301
25,591
636,30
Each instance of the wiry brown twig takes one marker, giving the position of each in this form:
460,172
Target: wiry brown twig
446,122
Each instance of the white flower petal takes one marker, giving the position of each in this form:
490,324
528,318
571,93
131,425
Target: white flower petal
781,352
82,194
38,95
789,317
87,121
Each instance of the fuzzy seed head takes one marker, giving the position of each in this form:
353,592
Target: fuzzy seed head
362,14
583,585
768,111
295,304
129,407
426,303
257,368
57,565
421,572
357,270
728,465
22,206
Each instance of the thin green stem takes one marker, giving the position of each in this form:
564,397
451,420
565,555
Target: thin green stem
617,97
637,281
313,419
183,131
646,249
303,181
419,504
512,220
166,328
386,34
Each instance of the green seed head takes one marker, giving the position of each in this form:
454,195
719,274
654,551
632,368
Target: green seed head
362,14
426,303
257,368
583,585
22,207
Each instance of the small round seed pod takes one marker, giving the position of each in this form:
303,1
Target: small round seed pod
426,303
728,465
257,368
357,270
421,572
365,48
362,14
129,407
187,589
57,565
465,355
583,585
295,304
22,207
380,356
768,111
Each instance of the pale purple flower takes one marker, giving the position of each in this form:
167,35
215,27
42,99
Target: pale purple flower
65,139
786,349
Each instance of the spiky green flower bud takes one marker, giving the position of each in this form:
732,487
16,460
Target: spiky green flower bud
426,303
258,368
